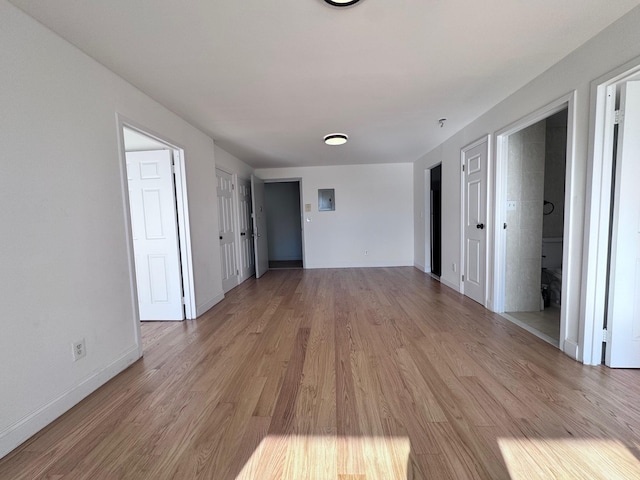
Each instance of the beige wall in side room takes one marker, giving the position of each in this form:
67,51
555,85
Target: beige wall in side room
525,187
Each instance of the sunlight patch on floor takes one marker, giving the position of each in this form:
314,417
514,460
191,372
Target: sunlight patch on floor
569,458
328,456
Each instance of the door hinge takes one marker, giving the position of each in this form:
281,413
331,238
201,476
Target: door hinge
173,168
618,115
605,336
233,186
463,278
184,300
237,272
463,167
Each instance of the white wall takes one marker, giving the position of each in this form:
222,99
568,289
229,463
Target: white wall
232,165
618,44
374,212
64,266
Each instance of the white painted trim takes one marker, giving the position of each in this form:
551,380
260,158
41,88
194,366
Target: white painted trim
420,267
451,285
488,207
427,220
186,257
572,349
235,213
597,210
570,284
26,427
208,305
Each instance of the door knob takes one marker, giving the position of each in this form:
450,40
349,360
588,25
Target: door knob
480,226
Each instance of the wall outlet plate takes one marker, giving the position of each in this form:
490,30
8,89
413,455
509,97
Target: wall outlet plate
512,204
79,350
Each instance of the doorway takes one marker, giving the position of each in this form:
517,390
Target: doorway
436,220
157,211
475,165
227,230
284,224
536,223
536,172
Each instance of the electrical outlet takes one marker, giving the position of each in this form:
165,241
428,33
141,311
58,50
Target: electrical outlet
366,252
79,349
512,205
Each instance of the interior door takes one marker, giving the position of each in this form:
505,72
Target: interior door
261,247
475,218
227,234
246,258
154,226
623,317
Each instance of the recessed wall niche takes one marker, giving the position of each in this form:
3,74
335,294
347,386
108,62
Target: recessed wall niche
326,199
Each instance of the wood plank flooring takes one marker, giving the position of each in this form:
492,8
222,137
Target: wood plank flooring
351,374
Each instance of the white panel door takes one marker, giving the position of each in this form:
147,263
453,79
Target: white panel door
261,247
154,225
227,234
623,322
475,217
246,257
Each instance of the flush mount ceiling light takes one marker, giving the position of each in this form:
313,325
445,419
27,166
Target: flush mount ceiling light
336,139
341,3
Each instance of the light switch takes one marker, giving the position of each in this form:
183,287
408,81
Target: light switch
307,207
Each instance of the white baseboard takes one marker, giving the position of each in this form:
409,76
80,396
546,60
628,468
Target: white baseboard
200,309
572,349
449,284
25,428
420,267
312,266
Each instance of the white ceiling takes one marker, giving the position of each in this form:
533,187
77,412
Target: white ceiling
268,79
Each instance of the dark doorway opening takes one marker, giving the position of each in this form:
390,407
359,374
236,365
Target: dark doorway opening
436,220
284,224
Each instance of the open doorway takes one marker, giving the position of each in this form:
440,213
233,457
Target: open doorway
534,227
156,204
284,224
435,207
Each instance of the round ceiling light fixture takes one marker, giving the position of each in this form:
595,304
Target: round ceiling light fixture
342,3
336,139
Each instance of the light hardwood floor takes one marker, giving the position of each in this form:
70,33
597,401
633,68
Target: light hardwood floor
352,374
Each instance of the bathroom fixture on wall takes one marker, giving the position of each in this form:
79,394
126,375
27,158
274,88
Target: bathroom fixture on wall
442,122
341,3
336,139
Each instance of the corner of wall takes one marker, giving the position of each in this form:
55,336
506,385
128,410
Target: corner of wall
26,427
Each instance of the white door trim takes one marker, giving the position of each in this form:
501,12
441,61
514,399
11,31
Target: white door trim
489,220
570,261
597,219
184,234
427,220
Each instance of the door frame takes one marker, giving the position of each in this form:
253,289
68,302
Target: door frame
182,208
597,213
236,205
489,220
236,222
570,261
297,180
427,219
